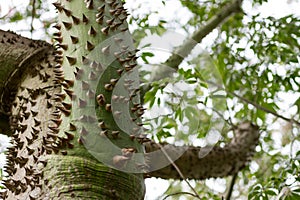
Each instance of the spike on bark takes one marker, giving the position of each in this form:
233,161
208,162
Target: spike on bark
89,46
57,26
101,8
68,106
58,6
70,83
105,30
92,76
81,140
90,94
99,20
85,85
74,39
71,60
92,32
85,60
108,87
108,107
110,21
75,20
67,12
102,125
82,103
106,50
101,100
104,133
85,20
63,46
67,25
115,134
89,4
83,131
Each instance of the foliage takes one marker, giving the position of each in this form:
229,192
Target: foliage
257,60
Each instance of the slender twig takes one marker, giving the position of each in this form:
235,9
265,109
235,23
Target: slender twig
263,108
158,117
170,186
228,121
7,14
178,170
232,182
256,105
32,17
179,193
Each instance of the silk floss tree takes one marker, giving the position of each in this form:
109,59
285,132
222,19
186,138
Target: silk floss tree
75,113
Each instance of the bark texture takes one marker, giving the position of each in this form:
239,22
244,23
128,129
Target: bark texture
63,110
207,162
64,114
35,93
16,54
30,115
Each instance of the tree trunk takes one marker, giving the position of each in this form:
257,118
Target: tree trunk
74,114
64,119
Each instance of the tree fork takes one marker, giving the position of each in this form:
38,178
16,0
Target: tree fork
207,162
32,134
55,98
58,112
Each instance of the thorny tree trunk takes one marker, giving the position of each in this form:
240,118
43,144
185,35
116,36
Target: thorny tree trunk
67,107
64,114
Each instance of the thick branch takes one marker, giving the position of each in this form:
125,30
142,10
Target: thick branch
207,162
16,53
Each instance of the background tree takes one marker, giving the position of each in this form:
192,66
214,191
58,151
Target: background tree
256,63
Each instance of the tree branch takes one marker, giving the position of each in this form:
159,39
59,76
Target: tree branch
290,120
16,54
172,63
181,193
207,162
185,49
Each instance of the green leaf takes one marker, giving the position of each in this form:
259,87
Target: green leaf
253,194
145,55
270,192
16,17
293,196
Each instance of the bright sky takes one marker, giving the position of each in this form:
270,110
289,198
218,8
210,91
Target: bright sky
276,8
